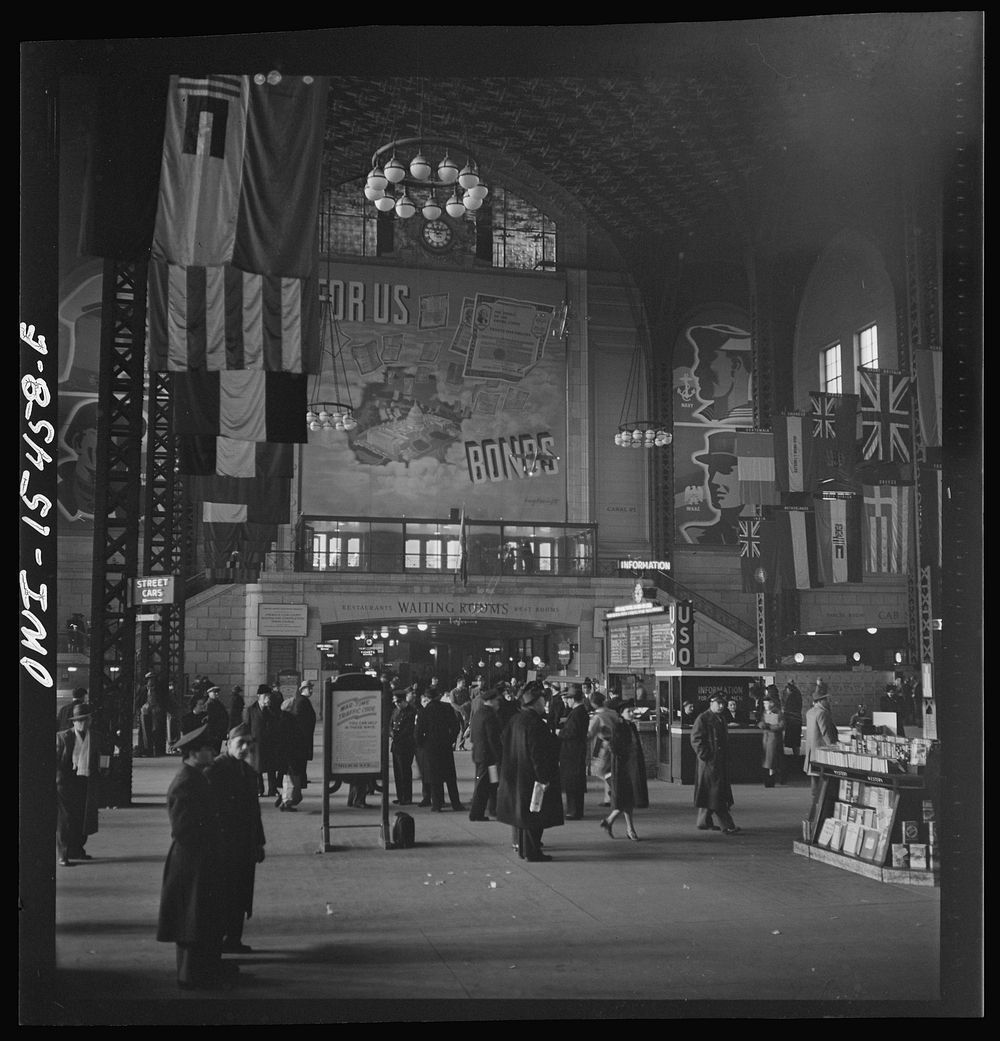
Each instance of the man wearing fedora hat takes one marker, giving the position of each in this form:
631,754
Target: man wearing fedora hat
191,905
719,460
820,730
529,758
713,794
300,743
78,758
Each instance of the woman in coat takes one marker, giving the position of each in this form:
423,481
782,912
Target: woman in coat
629,791
573,753
773,724
530,755
191,895
791,708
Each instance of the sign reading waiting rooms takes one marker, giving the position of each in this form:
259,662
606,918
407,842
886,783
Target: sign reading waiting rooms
565,610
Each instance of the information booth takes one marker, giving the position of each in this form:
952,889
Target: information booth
675,757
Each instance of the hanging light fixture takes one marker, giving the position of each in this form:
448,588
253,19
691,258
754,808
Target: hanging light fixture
634,432
331,407
392,185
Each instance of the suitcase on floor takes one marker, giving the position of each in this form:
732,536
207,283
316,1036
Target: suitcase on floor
403,831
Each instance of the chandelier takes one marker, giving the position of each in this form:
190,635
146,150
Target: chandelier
396,186
634,432
336,411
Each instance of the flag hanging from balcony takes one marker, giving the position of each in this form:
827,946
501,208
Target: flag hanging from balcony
244,405
264,501
218,318
795,533
886,415
834,427
240,176
755,467
225,457
794,464
887,528
839,550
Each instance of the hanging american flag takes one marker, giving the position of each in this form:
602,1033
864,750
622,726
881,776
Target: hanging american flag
886,415
887,528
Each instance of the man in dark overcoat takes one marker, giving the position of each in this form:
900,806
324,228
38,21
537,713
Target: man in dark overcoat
190,898
712,792
573,753
436,729
217,716
530,755
403,746
487,750
300,750
78,752
234,782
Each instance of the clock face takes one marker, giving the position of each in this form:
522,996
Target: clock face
436,235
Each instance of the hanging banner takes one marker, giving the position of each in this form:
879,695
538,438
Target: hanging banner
458,385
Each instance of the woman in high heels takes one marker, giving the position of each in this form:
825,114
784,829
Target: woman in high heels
629,791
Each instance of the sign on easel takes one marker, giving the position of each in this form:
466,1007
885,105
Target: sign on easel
356,746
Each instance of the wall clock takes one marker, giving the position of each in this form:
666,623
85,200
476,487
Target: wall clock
437,236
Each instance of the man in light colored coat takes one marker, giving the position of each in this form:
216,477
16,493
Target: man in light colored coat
820,731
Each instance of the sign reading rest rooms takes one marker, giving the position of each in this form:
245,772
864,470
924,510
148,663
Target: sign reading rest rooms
158,589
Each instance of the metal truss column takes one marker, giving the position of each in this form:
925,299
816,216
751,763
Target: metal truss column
116,516
162,641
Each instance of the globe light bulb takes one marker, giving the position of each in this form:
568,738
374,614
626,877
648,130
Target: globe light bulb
385,203
372,193
405,207
431,210
468,178
454,206
395,171
470,203
448,170
478,191
420,169
377,178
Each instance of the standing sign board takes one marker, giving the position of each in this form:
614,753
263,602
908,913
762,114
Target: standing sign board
355,742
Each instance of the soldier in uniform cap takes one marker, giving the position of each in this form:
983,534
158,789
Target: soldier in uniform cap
234,782
190,897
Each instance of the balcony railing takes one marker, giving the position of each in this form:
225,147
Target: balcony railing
483,549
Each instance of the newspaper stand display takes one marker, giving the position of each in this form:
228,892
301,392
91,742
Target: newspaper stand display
355,742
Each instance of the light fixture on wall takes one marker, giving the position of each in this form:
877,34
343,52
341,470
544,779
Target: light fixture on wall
336,409
635,432
394,185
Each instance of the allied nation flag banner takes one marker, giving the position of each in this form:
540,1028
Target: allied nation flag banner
834,427
208,456
839,550
244,405
219,318
794,466
240,177
755,467
887,528
886,415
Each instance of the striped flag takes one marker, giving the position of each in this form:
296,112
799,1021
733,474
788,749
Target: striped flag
218,318
887,528
886,416
755,467
225,457
839,551
795,531
794,465
240,175
247,405
275,511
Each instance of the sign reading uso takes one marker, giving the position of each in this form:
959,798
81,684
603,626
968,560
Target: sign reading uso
157,589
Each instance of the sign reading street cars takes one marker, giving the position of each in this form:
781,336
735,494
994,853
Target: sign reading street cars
154,590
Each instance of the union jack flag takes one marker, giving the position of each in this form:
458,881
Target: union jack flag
886,415
750,537
823,408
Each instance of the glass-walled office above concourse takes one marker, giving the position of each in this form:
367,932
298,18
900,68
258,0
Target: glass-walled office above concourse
428,546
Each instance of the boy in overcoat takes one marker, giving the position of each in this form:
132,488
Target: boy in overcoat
712,792
190,897
234,782
530,754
